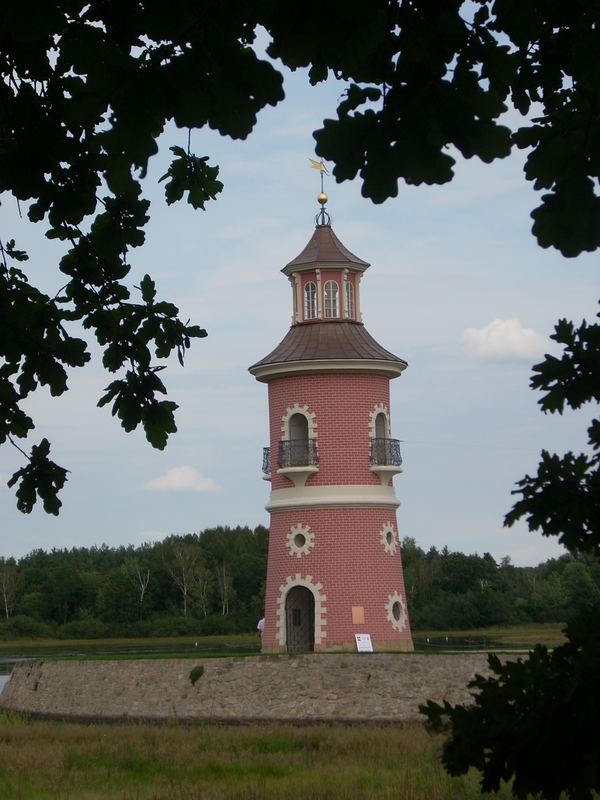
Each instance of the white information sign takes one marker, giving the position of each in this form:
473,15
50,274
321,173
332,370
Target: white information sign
363,642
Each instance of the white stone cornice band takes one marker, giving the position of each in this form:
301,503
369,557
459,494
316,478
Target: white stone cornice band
392,369
345,496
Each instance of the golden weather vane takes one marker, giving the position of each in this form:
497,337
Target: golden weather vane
322,170
322,217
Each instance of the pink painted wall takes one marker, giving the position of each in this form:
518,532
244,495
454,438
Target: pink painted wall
341,404
350,562
348,557
333,275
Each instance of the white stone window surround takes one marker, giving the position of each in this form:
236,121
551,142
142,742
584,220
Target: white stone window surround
298,409
389,538
349,300
384,472
319,295
298,475
310,300
320,608
331,293
396,613
357,311
300,540
295,282
379,408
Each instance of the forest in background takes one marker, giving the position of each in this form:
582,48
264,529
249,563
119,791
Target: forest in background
213,582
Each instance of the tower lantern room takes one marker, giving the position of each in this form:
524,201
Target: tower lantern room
325,277
334,565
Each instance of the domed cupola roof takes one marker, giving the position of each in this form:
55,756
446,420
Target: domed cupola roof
324,248
326,334
326,343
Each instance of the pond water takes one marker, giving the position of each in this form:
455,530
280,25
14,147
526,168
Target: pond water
32,652
460,644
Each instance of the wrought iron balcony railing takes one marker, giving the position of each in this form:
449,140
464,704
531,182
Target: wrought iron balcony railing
298,453
386,453
266,465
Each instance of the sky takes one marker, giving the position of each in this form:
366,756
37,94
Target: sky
458,287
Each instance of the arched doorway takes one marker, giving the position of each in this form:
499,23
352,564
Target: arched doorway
300,620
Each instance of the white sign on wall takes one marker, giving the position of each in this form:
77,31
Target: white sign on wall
363,642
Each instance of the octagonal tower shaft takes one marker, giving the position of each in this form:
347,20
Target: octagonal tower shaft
334,564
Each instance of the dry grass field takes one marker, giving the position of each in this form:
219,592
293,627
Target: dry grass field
60,761
48,761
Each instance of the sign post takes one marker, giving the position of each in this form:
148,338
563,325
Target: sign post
363,643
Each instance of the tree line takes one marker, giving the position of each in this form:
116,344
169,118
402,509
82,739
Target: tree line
197,583
450,590
214,582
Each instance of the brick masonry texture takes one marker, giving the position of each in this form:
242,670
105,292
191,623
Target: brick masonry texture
342,404
350,562
379,687
348,565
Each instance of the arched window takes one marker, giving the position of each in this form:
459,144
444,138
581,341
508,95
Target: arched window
380,444
381,431
331,300
297,447
349,300
310,301
298,444
298,428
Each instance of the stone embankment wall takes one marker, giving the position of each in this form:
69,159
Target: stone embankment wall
382,687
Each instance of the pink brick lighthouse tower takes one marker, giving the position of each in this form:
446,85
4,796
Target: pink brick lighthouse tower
334,566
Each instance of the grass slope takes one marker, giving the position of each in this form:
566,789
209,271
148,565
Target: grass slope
40,760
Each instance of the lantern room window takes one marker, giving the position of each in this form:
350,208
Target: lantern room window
331,300
349,300
310,301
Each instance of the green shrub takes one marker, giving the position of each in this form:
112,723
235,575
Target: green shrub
90,628
130,630
24,627
196,673
175,626
216,624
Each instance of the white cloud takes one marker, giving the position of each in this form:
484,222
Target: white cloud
182,479
504,339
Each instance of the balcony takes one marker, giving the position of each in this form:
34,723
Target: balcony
298,453
386,459
298,459
386,452
266,464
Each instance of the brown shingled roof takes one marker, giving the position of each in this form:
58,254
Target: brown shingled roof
324,247
328,341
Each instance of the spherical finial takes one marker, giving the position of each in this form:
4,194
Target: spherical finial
322,198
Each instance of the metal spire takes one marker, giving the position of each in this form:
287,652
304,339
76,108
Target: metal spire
323,217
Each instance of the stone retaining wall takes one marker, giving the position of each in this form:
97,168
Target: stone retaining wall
380,687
